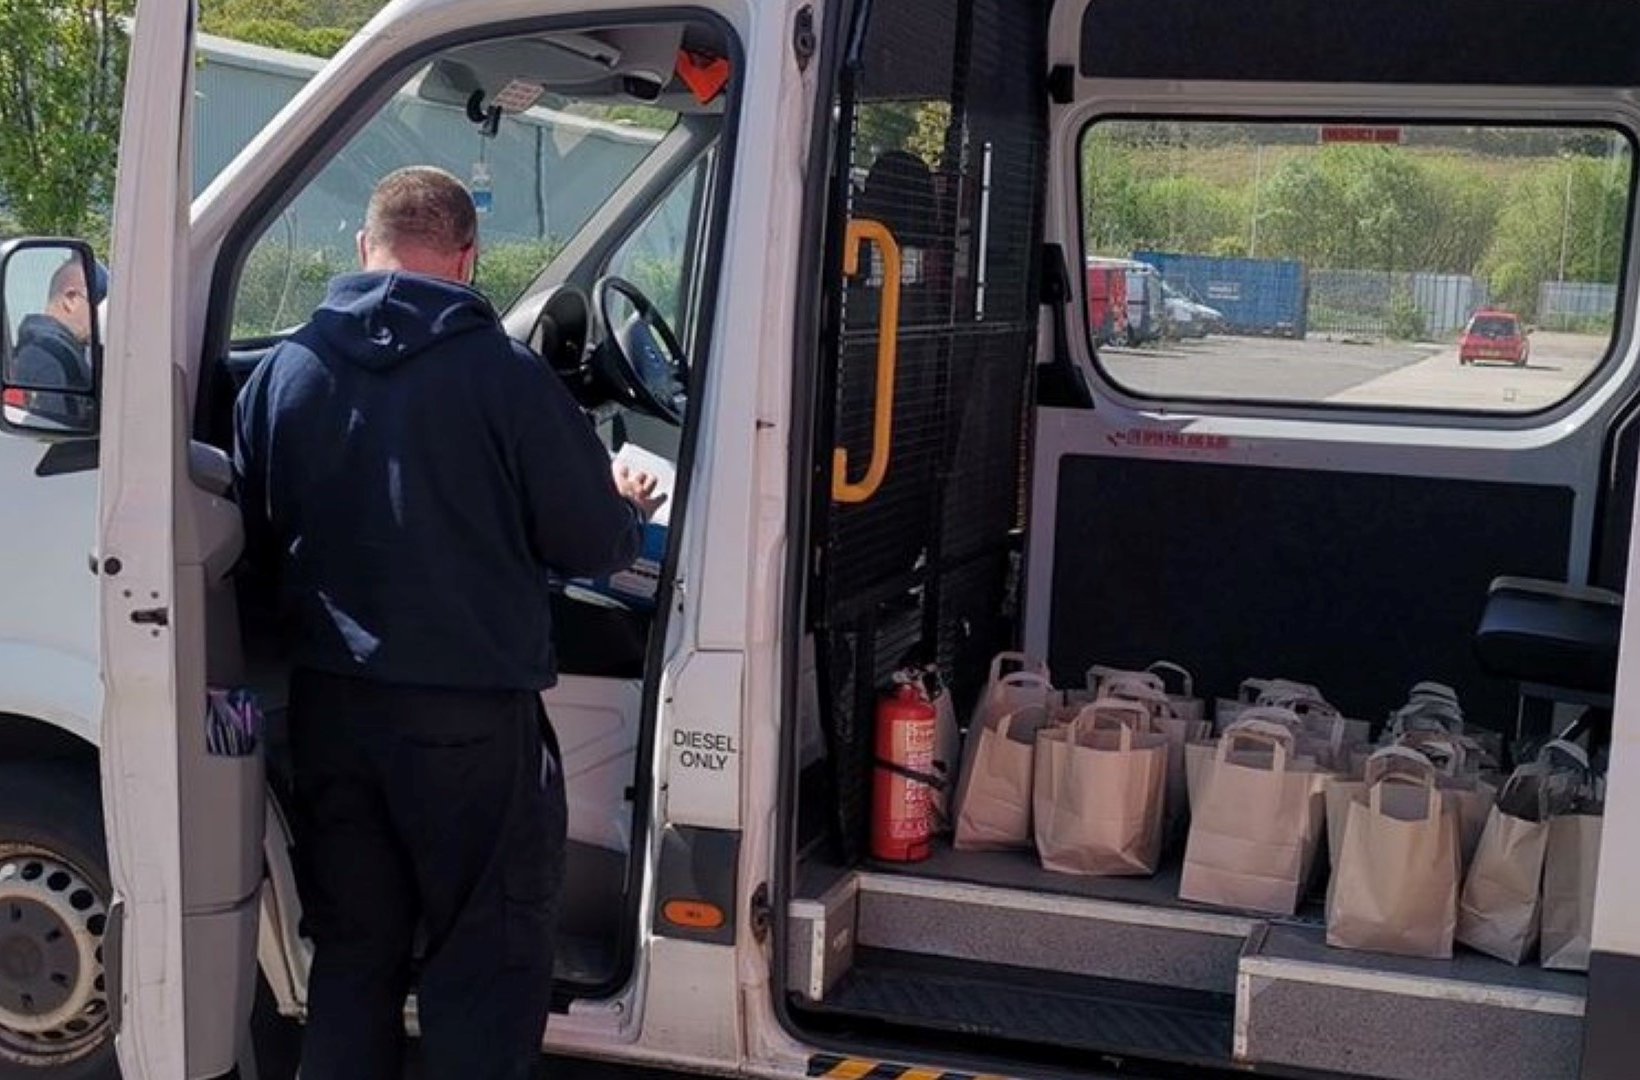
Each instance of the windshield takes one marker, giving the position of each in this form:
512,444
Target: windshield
542,175
1494,327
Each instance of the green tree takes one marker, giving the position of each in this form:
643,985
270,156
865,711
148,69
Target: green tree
62,69
314,27
1561,220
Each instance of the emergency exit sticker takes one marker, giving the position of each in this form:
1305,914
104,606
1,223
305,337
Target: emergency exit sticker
1356,133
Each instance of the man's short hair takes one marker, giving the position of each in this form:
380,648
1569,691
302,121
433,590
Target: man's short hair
70,275
421,207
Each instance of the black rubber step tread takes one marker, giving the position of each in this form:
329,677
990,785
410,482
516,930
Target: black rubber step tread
1035,1007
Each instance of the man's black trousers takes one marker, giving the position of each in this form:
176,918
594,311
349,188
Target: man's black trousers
437,809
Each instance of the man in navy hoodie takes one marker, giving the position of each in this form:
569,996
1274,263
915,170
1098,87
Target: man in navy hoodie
415,479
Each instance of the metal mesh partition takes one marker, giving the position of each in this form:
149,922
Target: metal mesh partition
944,113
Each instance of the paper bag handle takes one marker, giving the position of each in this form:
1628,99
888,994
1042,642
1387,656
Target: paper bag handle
1252,690
1426,780
1434,691
1522,774
1430,743
1099,676
1028,680
1156,702
1005,723
1381,762
1303,703
1570,749
1277,737
1443,712
1112,712
1026,664
1284,718
1187,681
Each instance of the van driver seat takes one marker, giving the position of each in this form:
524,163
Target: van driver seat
1559,643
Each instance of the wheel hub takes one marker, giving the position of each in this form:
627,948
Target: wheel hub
53,1002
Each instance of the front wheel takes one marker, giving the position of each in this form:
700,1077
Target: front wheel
54,897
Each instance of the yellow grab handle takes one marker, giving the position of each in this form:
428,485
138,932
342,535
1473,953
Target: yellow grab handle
859,231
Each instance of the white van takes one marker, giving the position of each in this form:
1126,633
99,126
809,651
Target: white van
911,457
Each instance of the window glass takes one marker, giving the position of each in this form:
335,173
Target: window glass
1425,267
542,176
656,257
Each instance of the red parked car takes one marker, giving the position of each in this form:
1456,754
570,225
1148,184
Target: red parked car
1494,335
1107,302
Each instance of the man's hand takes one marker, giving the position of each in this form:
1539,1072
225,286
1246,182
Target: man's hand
639,489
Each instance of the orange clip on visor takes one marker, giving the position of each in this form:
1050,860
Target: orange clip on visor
705,77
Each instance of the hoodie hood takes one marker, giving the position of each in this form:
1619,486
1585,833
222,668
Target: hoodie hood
379,320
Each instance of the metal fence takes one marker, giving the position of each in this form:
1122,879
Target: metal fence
1576,305
1381,304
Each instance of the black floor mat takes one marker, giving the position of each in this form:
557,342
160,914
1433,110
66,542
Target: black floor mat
1038,1008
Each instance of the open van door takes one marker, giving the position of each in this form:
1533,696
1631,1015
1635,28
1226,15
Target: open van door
162,538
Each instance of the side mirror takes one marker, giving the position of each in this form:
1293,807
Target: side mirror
50,343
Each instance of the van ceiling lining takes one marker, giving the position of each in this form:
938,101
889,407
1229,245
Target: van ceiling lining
1457,42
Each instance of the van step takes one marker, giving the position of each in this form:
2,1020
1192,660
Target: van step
1124,938
1303,1005
1025,1006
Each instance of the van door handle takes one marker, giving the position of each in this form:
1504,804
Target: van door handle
859,232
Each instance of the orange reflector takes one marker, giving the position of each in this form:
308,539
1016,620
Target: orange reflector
692,914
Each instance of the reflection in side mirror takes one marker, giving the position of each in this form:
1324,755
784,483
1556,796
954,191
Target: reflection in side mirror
50,343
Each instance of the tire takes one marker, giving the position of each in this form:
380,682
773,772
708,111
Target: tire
53,881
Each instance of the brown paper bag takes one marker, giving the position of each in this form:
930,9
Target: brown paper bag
1006,691
1571,864
1256,821
1099,792
1458,775
1200,754
1470,796
1178,732
1340,791
1395,887
1499,907
994,792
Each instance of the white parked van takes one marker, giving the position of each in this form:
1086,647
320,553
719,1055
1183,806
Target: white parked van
893,444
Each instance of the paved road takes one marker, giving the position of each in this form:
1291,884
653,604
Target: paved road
1379,373
1558,363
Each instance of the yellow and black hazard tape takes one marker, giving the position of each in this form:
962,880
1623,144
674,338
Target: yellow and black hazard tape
827,1067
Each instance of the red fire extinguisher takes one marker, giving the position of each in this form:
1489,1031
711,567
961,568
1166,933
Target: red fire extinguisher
902,820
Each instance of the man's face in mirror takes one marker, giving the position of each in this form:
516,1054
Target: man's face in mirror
70,302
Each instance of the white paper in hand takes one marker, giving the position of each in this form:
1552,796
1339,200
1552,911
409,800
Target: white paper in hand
638,459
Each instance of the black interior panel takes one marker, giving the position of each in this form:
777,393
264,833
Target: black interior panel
1614,514
1480,42
1360,583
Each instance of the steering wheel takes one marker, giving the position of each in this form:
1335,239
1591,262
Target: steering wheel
641,356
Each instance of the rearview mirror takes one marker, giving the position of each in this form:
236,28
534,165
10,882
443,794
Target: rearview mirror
50,343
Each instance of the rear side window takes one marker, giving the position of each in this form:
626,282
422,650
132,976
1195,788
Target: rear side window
1344,264
1494,326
